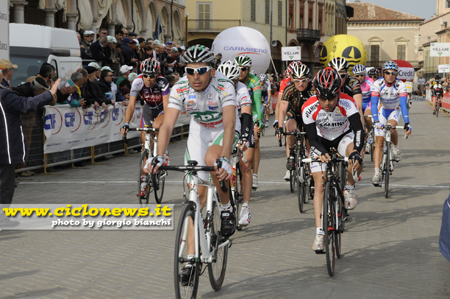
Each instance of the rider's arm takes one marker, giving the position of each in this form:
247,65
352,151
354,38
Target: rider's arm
404,108
358,140
135,88
229,121
166,129
374,104
284,104
257,101
316,146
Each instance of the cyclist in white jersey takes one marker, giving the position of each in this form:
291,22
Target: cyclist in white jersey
392,95
231,69
331,121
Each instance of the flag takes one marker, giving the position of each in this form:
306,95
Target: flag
158,28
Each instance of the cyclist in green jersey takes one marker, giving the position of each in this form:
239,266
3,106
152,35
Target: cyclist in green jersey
254,90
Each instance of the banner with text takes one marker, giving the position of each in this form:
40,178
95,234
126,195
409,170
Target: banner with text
291,53
440,49
67,128
443,68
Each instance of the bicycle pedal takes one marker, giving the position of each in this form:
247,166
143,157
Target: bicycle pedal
320,252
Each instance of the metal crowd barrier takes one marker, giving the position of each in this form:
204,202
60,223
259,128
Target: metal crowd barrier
33,128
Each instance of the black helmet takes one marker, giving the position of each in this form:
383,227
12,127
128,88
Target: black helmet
327,83
437,77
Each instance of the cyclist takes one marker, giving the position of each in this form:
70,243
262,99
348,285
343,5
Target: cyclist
244,106
374,74
266,92
285,82
409,90
154,91
391,93
359,71
209,97
254,90
294,96
331,121
437,91
349,85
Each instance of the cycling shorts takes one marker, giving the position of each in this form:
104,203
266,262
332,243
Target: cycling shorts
340,143
199,140
149,115
366,105
385,115
292,114
264,96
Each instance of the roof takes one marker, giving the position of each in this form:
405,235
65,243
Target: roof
373,12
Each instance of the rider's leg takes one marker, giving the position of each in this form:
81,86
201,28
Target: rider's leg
247,178
212,154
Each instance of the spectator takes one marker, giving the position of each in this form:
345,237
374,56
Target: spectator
79,38
124,71
99,50
170,61
102,32
149,41
88,38
119,56
171,80
111,53
35,86
124,32
119,36
97,69
75,99
13,148
93,91
84,74
176,76
132,35
7,72
132,77
127,52
105,85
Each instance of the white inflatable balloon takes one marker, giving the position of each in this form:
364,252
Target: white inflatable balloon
243,40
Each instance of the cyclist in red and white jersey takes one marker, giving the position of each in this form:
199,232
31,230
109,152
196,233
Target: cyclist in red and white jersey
154,90
331,121
283,84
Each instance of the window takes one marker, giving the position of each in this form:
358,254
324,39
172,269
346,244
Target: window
447,4
253,11
267,11
375,55
401,52
204,15
280,13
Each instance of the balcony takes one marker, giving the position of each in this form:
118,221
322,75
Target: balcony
308,35
210,26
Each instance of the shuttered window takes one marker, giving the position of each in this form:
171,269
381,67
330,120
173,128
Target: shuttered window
253,11
204,15
401,52
280,13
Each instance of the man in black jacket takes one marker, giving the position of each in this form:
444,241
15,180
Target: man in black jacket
98,50
12,141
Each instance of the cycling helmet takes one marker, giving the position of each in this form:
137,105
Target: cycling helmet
199,53
150,66
373,72
263,77
300,71
327,83
390,65
408,80
292,64
437,77
230,69
243,60
253,72
339,64
359,69
287,73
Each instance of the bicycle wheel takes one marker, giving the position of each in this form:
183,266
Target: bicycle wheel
143,198
237,198
386,170
328,227
189,290
217,269
306,183
158,181
338,202
292,180
300,188
437,107
342,176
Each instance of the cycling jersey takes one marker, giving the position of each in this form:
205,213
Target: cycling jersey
366,90
152,96
390,97
284,83
296,100
242,97
437,88
206,107
265,87
254,90
351,86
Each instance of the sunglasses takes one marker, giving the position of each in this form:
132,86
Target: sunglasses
243,69
200,70
390,73
109,75
301,80
343,75
357,76
152,76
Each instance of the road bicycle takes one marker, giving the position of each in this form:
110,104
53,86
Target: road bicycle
155,182
334,212
387,161
211,247
437,104
236,182
300,174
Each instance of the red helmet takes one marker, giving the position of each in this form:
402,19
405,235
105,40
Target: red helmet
150,66
294,64
327,83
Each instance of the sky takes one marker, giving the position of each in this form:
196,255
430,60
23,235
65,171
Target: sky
420,8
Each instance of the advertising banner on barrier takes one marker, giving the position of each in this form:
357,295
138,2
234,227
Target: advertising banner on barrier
67,128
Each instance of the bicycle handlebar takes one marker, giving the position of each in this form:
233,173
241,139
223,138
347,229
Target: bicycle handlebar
144,129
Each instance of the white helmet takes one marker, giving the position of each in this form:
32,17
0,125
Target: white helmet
230,69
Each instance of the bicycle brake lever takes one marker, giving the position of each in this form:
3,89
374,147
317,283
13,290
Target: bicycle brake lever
222,183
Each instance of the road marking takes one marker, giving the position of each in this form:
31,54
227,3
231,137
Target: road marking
278,182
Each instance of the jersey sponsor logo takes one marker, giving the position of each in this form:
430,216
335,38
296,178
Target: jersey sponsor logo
210,124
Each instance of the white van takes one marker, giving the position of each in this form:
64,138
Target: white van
32,45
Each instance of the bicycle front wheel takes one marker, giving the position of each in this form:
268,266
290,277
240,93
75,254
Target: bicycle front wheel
387,167
328,215
185,289
158,181
143,196
301,187
292,180
237,197
217,269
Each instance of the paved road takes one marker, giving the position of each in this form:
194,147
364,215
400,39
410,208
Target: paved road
390,248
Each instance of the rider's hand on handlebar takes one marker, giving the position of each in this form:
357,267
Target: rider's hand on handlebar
407,129
124,130
224,173
377,125
280,133
325,158
152,165
358,160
